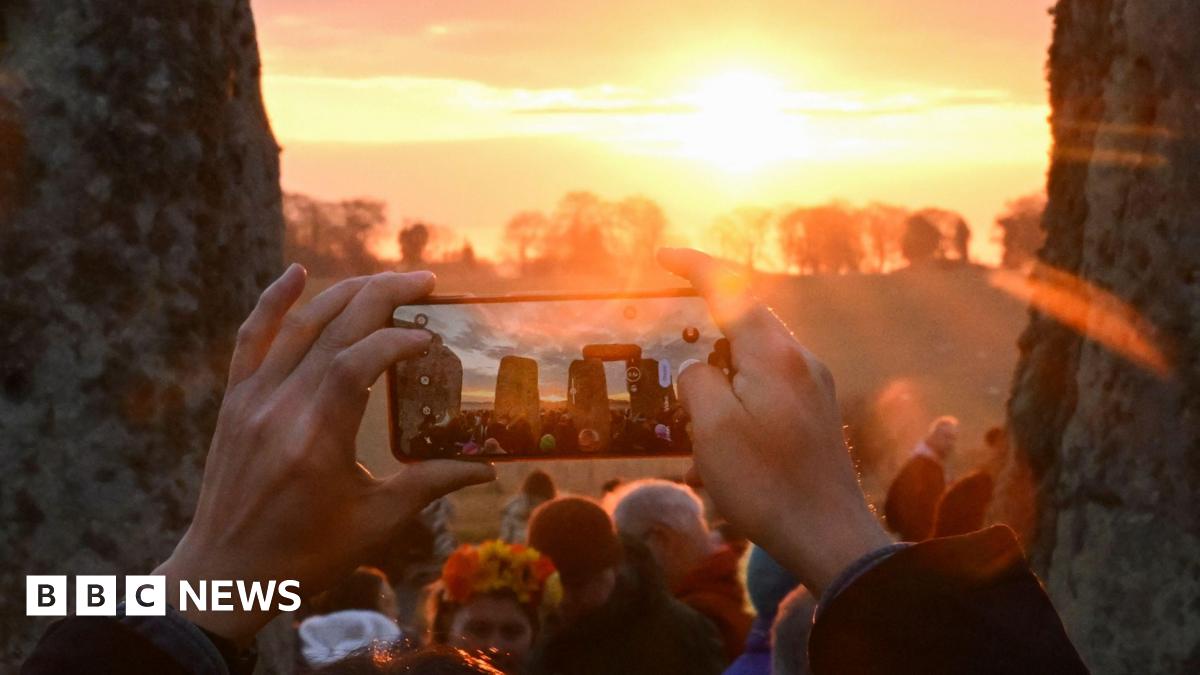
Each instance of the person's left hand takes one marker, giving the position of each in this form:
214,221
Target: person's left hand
283,496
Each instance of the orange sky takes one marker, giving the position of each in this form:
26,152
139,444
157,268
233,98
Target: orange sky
465,112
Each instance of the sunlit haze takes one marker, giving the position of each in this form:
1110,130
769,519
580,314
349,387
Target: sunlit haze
465,113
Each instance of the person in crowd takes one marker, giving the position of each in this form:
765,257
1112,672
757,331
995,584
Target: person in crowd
790,633
668,518
767,583
616,614
913,496
492,447
514,517
491,599
566,436
547,444
964,505
283,497
354,614
519,437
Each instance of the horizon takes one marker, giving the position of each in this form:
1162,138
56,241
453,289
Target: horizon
440,112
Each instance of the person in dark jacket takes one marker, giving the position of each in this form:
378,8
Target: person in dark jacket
913,496
618,616
282,497
964,505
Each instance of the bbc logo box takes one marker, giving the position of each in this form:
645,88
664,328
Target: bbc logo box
94,595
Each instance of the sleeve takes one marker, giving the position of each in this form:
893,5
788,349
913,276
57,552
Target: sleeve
135,644
952,605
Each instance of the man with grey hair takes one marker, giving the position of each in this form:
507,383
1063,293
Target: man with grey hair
913,496
668,518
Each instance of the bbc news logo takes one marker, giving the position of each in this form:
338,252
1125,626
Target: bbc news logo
146,595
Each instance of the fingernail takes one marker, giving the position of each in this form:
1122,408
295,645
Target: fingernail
684,366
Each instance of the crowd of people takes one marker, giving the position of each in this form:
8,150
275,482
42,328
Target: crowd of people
637,582
483,432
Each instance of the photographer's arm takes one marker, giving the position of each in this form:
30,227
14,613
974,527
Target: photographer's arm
768,446
283,496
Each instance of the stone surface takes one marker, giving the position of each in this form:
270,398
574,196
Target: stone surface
139,219
428,385
587,398
1109,425
517,392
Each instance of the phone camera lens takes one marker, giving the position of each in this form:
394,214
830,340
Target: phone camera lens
691,334
424,379
633,374
426,410
421,320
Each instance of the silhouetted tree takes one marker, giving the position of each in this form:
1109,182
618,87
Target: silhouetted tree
820,239
740,234
884,226
580,232
922,239
1021,229
640,226
332,238
413,240
525,235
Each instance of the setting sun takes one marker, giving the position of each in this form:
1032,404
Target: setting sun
740,122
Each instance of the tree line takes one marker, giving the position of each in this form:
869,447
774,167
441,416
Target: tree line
586,234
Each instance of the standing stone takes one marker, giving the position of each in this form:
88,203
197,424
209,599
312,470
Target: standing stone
1111,434
650,399
139,219
587,398
517,393
429,386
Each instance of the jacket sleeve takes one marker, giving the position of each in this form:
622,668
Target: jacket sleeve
122,644
952,605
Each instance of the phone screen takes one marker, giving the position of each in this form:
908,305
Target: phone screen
547,379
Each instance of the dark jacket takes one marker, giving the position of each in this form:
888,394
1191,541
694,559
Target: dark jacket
912,498
642,629
965,604
715,590
964,505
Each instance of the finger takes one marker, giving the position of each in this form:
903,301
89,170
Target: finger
342,396
748,324
707,397
368,311
258,331
302,326
416,485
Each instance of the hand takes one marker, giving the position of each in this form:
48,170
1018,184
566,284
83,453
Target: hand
282,495
768,445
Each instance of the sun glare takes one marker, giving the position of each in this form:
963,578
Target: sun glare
740,121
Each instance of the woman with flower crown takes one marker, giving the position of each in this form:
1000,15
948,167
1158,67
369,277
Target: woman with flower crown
492,598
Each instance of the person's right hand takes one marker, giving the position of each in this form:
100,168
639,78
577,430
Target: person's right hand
768,445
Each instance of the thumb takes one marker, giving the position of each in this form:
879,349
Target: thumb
705,393
419,484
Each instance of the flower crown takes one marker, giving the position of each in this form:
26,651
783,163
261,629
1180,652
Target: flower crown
499,566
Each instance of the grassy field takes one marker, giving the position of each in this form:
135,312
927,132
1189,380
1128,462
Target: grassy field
914,344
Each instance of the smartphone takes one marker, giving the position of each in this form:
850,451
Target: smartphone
549,376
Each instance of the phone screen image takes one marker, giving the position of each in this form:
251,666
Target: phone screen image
548,379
